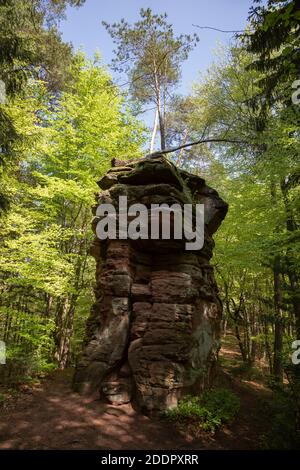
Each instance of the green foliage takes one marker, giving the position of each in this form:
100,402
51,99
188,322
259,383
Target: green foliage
64,120
259,178
151,55
46,278
280,411
211,410
149,45
30,43
29,345
30,47
275,43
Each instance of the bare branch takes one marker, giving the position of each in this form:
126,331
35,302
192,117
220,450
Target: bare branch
216,29
197,142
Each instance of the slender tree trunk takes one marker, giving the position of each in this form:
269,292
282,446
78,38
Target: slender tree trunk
252,337
154,131
65,338
267,345
160,111
240,342
49,302
61,331
278,333
162,130
225,326
65,315
278,330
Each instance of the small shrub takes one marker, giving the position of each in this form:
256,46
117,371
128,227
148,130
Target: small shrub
209,411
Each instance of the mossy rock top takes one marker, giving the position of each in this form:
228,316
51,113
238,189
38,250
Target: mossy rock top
147,171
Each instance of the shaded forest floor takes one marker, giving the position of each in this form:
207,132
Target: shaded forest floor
51,416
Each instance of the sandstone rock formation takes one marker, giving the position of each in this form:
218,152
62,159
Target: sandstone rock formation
153,333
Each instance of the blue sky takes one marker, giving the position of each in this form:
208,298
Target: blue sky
83,26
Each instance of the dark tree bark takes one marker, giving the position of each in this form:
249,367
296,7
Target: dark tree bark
278,330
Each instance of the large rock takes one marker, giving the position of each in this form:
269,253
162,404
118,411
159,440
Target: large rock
154,330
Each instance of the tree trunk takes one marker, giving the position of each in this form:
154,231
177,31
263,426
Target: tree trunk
278,333
64,351
154,131
159,109
240,342
267,345
64,330
162,130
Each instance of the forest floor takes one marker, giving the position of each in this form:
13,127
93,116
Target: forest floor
51,416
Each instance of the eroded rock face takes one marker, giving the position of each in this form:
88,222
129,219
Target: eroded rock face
153,333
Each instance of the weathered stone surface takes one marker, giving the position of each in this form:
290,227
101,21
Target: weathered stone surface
153,333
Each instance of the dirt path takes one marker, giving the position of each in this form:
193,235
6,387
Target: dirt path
54,417
51,416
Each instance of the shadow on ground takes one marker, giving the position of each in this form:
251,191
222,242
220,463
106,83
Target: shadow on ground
52,416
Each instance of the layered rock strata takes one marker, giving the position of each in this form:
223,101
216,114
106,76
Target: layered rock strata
154,330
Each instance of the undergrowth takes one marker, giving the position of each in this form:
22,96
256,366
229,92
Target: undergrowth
208,411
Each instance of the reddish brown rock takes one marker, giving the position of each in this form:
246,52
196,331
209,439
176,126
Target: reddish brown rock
153,333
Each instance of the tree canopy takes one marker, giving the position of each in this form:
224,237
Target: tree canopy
150,54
